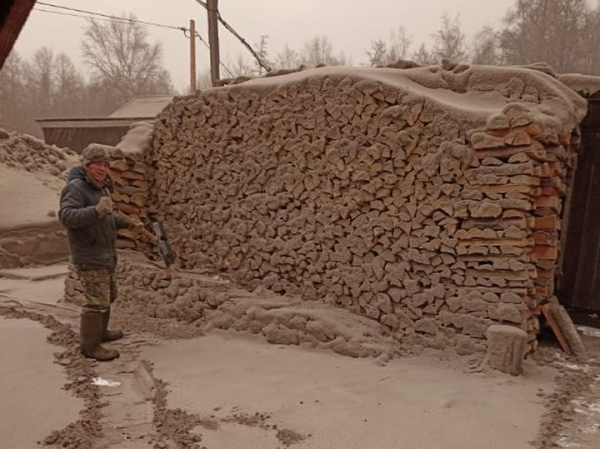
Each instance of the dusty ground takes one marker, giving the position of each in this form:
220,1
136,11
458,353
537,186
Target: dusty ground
176,388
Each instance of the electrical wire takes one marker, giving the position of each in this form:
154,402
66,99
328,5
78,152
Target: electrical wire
70,15
220,62
107,16
236,34
243,41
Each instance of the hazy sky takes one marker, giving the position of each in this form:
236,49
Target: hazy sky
350,25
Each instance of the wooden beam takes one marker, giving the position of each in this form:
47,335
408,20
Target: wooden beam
556,329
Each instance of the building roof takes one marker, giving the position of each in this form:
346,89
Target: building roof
137,109
148,106
104,122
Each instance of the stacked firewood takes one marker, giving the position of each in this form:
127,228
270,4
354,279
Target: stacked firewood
530,171
435,217
129,195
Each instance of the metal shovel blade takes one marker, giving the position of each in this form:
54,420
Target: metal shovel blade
163,245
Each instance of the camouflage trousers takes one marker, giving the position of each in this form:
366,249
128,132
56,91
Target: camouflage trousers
99,288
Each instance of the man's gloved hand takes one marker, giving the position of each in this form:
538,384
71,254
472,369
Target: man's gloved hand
104,207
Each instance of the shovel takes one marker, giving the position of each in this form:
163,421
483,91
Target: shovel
164,248
159,237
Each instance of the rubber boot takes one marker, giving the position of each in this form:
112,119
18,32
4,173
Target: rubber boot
107,334
91,336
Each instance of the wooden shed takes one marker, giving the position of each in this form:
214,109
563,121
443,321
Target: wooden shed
579,277
78,133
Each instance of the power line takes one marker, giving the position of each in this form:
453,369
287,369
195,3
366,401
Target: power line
108,16
243,41
220,62
70,15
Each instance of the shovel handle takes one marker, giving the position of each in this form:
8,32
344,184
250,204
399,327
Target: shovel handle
142,229
148,234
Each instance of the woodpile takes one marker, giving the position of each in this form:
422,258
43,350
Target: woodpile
130,193
427,199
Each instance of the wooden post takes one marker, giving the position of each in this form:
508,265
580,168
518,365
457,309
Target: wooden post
192,56
213,40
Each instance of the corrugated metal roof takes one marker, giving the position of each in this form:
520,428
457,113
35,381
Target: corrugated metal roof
143,107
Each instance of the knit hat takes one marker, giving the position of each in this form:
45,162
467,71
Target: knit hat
95,153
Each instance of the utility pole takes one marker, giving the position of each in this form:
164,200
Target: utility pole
192,56
213,40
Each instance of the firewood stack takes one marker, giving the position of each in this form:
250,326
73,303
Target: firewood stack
128,172
420,198
526,172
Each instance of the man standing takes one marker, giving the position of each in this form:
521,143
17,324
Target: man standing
86,210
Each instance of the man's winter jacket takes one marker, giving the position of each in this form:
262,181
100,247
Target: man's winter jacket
91,240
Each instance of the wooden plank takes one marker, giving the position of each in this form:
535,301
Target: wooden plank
497,242
551,202
555,328
545,238
545,252
549,223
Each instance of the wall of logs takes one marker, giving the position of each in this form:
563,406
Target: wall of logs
429,199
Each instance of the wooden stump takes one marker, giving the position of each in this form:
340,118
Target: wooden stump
506,348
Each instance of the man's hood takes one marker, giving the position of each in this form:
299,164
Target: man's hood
77,173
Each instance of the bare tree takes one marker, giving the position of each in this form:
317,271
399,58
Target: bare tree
69,85
319,50
591,60
288,59
552,31
377,53
13,115
39,75
424,56
384,53
449,41
240,67
400,43
263,54
486,48
123,61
